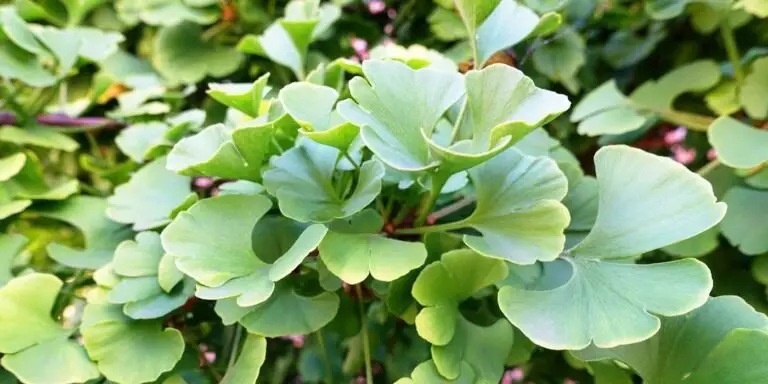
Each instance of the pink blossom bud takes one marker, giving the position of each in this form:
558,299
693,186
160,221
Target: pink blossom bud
376,6
711,154
360,46
675,136
513,376
389,28
683,155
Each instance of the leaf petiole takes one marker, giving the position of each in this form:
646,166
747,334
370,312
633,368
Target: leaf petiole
366,341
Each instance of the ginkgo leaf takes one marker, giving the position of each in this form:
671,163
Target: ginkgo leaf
10,246
248,364
616,300
678,203
102,235
38,136
149,197
755,7
222,151
503,106
357,251
518,214
661,94
224,261
737,144
393,118
244,97
164,12
284,313
65,360
755,84
688,346
140,257
137,139
312,106
562,58
29,337
212,240
494,34
286,41
415,56
742,224
664,10
119,344
182,55
302,181
427,373
440,287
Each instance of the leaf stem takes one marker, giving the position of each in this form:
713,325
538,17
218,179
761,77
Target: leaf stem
432,228
351,160
66,293
447,210
692,121
366,342
457,124
726,33
235,345
709,167
328,369
438,181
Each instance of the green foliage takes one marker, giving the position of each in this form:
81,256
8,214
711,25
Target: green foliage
252,191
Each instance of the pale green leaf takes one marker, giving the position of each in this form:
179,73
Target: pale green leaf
182,55
426,373
11,165
302,181
168,275
25,320
743,224
562,58
140,257
248,364
120,344
474,12
10,246
646,202
518,212
580,301
137,139
397,105
354,256
65,361
149,197
244,97
684,348
755,7
102,235
212,240
38,136
507,25
738,145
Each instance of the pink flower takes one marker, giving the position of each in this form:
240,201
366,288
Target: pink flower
389,28
210,357
513,376
711,154
376,6
683,155
360,46
675,136
203,182
297,340
392,13
569,381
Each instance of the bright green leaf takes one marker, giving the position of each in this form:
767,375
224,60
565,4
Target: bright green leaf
248,364
738,145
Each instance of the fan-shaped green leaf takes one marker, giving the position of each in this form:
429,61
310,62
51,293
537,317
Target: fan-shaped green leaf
102,235
737,144
312,107
503,106
182,55
646,202
494,32
149,197
246,368
119,344
755,86
138,257
399,104
605,303
244,97
30,338
10,246
688,346
562,58
518,212
352,256
284,313
755,7
302,181
742,225
427,373
37,136
136,140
